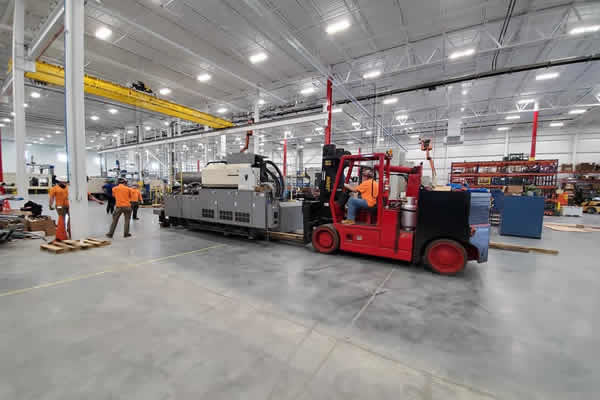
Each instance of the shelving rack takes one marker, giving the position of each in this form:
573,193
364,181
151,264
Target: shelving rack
540,174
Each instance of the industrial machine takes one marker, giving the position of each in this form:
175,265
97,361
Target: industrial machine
240,195
243,195
429,226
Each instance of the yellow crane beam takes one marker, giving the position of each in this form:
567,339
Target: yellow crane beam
55,75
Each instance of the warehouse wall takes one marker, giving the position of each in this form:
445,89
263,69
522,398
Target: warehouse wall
45,154
477,146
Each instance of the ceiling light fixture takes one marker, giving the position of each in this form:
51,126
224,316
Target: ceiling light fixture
35,95
512,117
113,110
340,109
12,113
462,109
503,128
94,118
371,74
57,132
6,119
465,92
2,125
25,105
261,102
368,133
356,124
390,100
147,128
546,76
308,139
414,136
525,101
103,33
349,142
222,110
338,26
402,117
307,91
577,111
258,57
48,136
461,54
556,124
584,29
164,91
166,123
204,77
130,131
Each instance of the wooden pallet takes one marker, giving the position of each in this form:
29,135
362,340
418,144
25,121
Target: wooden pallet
57,247
522,249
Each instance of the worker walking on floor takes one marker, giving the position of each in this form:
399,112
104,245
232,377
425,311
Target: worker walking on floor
59,196
136,200
123,196
110,200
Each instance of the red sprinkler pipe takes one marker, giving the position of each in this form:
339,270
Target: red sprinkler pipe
329,106
284,158
534,135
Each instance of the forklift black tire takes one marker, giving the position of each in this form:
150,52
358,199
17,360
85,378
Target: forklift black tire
592,210
325,239
445,256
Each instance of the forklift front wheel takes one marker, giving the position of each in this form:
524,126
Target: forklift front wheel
445,256
325,239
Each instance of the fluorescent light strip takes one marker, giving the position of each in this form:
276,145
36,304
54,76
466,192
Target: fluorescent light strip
546,76
461,53
371,74
337,27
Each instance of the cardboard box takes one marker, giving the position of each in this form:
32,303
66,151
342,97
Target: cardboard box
513,189
42,223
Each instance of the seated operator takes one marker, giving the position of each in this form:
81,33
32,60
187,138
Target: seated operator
368,190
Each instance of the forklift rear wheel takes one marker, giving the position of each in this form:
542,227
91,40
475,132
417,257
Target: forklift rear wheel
592,210
325,239
445,256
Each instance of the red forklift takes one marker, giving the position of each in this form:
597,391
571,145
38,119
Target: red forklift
433,227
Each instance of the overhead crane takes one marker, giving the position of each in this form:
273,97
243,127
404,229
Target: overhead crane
55,75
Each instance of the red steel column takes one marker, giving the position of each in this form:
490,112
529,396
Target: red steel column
534,134
198,165
1,171
329,107
284,158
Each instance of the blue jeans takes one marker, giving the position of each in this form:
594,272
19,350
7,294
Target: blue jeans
354,205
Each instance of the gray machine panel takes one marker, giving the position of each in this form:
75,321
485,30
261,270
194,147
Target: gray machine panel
226,206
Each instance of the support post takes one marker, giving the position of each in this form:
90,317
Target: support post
534,135
284,159
18,56
506,144
74,117
574,150
1,169
329,106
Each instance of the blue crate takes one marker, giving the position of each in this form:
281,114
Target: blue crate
523,216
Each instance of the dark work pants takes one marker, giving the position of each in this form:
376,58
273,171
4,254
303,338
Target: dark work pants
110,205
116,215
134,207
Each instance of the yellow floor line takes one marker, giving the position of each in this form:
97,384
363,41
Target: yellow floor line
110,270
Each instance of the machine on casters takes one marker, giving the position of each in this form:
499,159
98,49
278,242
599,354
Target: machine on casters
427,226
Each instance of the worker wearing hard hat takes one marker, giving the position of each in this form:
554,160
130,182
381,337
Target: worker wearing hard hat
59,196
123,196
136,200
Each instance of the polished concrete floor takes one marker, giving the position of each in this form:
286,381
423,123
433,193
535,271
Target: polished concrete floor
176,314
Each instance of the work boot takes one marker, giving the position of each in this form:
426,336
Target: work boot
108,235
127,235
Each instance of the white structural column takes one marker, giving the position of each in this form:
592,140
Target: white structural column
574,149
223,150
74,117
18,56
506,137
